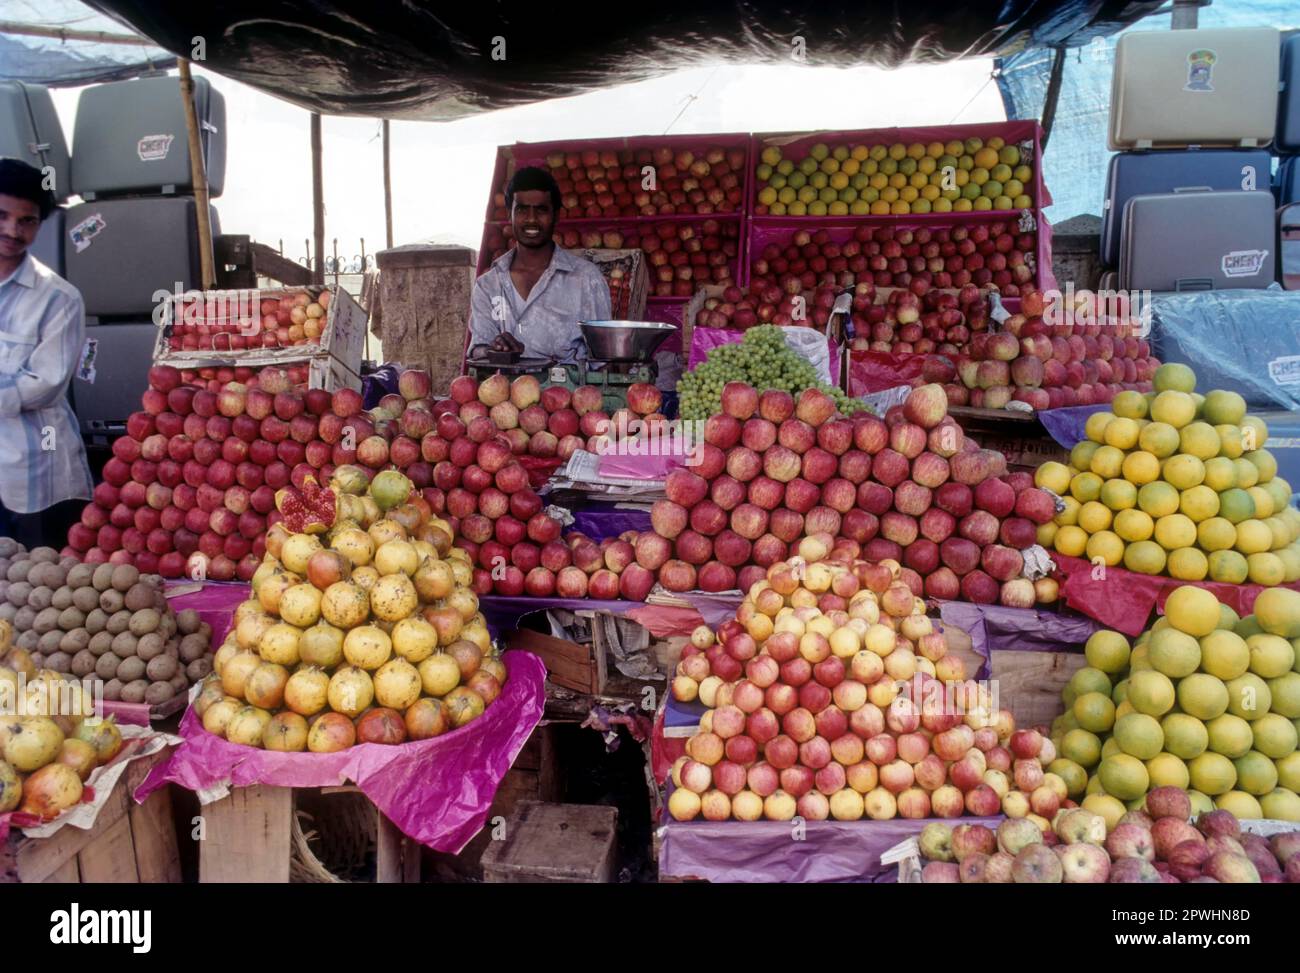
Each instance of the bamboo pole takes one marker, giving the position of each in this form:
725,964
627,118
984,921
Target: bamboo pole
388,193
317,200
199,175
64,34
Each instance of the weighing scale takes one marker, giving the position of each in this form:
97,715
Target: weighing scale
621,353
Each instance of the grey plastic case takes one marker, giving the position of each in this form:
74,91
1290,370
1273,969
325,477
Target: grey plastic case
123,354
119,252
30,130
1212,87
1198,241
48,246
130,137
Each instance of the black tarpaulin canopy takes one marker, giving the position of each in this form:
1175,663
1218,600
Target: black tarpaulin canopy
440,61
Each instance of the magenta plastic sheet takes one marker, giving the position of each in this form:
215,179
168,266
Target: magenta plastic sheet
995,627
764,851
704,340
215,602
437,791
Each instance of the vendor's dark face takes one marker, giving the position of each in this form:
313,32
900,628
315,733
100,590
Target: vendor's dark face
20,220
533,218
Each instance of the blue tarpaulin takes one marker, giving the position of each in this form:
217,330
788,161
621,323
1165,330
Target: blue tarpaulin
60,62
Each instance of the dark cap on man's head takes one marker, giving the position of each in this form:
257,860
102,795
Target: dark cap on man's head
23,181
532,178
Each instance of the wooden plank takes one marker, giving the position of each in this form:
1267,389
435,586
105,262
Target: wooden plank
111,856
67,872
564,843
247,836
1030,683
270,264
397,856
39,857
153,830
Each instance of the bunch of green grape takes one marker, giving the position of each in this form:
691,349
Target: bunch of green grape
761,359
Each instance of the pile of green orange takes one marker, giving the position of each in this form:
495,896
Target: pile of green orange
1177,483
1204,700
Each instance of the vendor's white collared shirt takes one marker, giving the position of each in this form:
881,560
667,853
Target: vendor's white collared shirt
42,330
546,322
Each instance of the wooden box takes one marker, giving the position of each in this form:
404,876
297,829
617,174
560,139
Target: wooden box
566,843
129,843
572,665
248,837
1030,683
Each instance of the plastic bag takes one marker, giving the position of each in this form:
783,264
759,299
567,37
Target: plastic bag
1244,341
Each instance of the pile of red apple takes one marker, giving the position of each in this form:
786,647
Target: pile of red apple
1155,844
917,319
850,707
683,256
609,183
910,487
990,255
225,321
1052,365
198,470
270,378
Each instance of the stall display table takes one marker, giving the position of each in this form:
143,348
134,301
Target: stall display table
787,851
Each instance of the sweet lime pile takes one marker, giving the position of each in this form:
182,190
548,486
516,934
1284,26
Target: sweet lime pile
761,359
959,176
1177,483
1204,700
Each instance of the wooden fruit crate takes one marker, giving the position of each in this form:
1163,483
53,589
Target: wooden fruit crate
249,836
573,665
129,843
564,843
1030,683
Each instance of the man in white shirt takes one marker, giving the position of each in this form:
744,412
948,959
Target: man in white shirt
534,295
44,477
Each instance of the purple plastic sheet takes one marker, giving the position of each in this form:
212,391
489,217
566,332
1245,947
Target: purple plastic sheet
437,791
762,851
1066,425
382,381
599,521
716,608
995,627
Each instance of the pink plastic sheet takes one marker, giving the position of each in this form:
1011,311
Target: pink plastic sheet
437,791
763,851
651,468
704,340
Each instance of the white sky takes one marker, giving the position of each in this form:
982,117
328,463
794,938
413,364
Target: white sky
441,170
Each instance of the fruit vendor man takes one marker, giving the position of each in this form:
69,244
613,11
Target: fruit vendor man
44,477
533,296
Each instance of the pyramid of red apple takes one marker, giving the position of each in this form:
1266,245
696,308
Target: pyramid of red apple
1051,355
832,695
910,487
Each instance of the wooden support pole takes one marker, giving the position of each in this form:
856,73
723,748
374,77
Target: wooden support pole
199,175
317,201
388,195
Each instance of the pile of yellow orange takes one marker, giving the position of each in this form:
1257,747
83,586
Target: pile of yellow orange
1175,483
